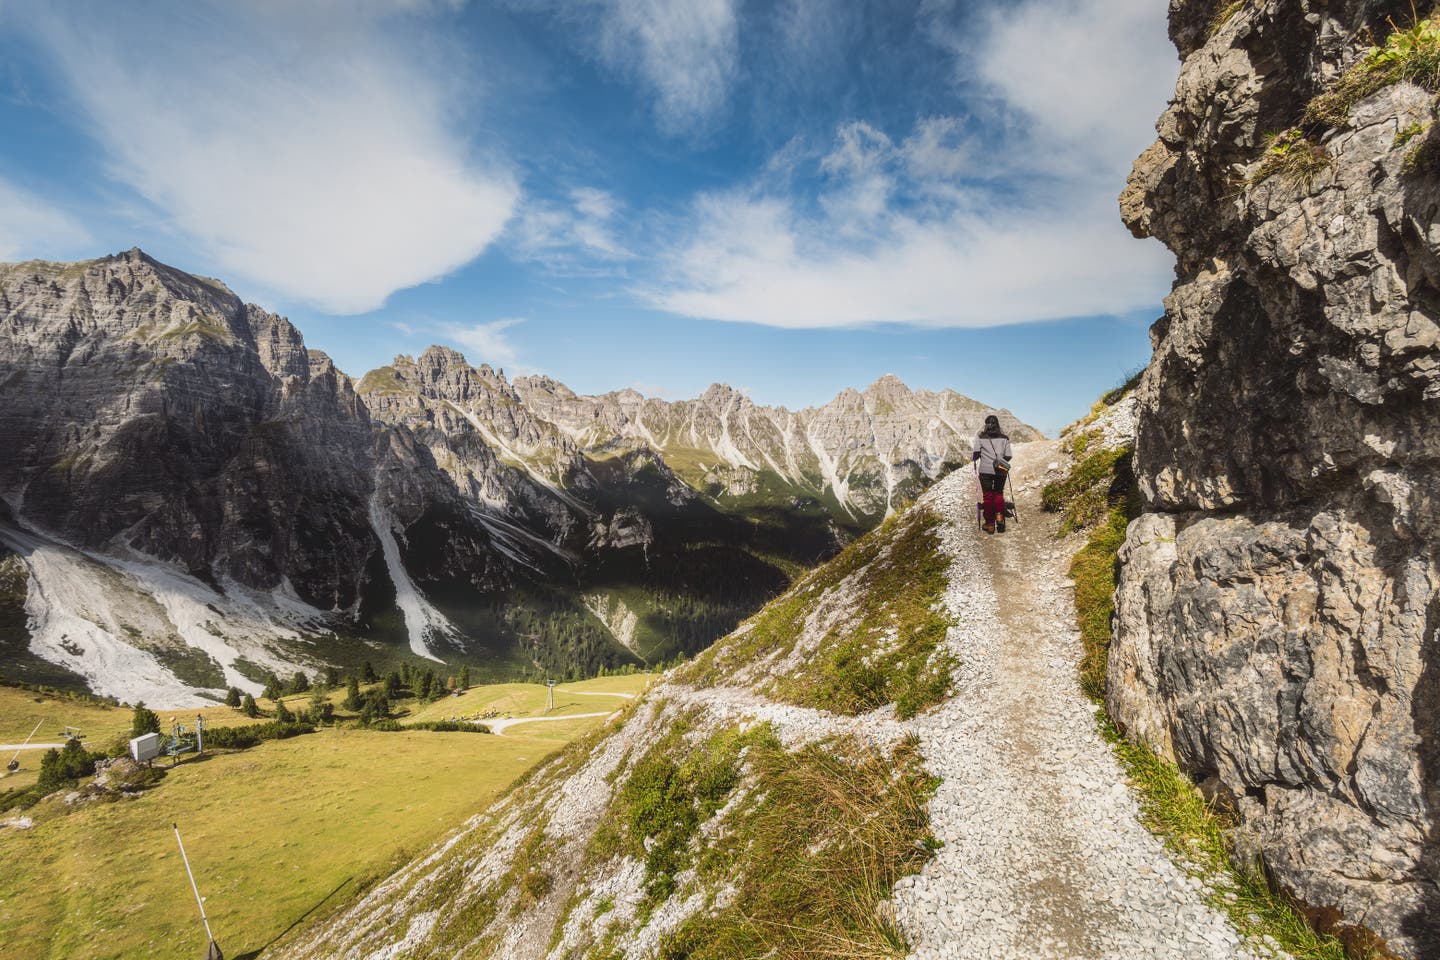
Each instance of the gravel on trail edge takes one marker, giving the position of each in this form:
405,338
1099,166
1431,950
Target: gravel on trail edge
1044,854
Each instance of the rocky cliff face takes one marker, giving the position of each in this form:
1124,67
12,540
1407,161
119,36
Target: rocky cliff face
1278,621
194,498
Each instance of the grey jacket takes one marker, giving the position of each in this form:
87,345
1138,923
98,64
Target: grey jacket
989,449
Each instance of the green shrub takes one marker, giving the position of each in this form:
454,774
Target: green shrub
237,738
143,721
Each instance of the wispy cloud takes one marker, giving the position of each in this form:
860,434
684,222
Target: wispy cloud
32,228
486,342
1089,76
1005,216
576,236
685,52
305,148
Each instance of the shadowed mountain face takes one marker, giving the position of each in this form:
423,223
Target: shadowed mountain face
190,499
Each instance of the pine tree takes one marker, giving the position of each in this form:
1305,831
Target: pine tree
299,683
143,721
248,707
273,688
367,673
232,697
465,677
332,677
393,685
282,712
352,695
405,675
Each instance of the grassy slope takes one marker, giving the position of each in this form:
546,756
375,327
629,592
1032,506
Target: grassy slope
338,806
812,838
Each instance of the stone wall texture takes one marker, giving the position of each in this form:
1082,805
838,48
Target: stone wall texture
1279,600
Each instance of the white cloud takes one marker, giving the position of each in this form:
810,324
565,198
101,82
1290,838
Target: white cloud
755,260
1006,217
1093,75
686,52
31,228
485,342
304,148
578,237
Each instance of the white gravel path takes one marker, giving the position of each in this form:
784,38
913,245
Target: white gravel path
1044,855
594,693
502,724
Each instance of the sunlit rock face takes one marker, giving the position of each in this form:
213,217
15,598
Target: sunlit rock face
149,410
1279,603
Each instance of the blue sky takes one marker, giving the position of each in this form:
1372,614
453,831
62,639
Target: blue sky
792,196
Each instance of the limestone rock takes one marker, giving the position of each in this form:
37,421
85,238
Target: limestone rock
1278,606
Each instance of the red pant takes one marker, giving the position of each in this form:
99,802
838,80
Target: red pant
993,488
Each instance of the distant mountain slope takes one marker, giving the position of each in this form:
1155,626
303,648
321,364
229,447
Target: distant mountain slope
182,464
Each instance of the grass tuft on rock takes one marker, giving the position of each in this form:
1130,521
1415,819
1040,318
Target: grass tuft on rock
1409,54
1293,158
1223,14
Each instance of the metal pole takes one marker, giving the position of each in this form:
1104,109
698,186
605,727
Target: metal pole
198,902
199,734
27,740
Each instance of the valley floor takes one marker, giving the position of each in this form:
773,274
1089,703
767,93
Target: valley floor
1044,854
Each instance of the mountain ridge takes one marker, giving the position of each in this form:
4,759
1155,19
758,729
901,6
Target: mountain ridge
179,451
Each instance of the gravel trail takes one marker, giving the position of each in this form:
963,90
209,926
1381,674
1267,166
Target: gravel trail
500,725
1044,855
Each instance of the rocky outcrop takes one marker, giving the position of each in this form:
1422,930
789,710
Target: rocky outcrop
148,410
1279,601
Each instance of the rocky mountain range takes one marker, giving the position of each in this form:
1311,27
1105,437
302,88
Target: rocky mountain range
190,499
1278,611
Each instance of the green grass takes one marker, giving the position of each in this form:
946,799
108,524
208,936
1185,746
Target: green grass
273,832
1410,132
1085,494
889,653
1195,831
528,700
1198,836
1093,569
1223,14
381,380
1409,54
670,791
813,855
1293,158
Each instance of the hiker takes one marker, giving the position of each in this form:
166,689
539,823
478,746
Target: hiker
991,455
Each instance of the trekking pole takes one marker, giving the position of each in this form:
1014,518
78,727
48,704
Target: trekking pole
213,951
14,763
979,499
